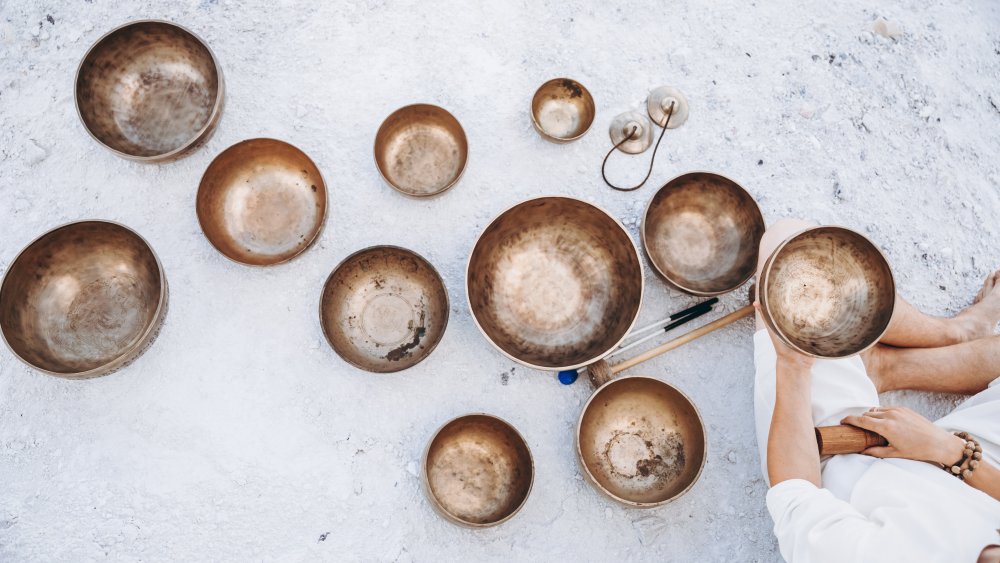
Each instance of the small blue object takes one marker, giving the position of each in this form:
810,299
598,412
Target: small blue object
568,376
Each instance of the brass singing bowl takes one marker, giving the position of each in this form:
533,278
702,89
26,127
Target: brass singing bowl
641,441
384,309
261,202
478,470
149,90
702,233
554,283
562,110
82,300
421,150
827,292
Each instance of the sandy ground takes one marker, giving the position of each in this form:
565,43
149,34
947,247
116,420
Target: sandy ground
240,435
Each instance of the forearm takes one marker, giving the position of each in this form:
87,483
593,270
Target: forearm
791,447
986,477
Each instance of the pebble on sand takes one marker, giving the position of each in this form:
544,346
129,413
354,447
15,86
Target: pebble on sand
886,28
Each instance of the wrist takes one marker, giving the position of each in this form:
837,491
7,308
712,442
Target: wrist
949,449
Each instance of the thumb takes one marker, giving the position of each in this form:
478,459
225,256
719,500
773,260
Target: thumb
881,451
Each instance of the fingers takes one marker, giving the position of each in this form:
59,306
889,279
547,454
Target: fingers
881,451
866,422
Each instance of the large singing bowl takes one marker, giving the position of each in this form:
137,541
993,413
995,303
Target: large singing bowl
554,283
82,300
827,292
641,441
421,150
701,232
261,202
149,90
478,470
384,309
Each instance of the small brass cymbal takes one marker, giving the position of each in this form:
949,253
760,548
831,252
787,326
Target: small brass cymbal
658,106
421,150
83,300
261,202
562,110
827,292
641,441
149,90
635,127
478,470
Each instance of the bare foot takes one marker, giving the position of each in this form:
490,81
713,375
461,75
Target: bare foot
980,319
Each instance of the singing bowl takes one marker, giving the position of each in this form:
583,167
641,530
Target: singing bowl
82,300
641,441
702,233
562,110
827,292
554,283
384,309
421,150
261,202
149,90
478,470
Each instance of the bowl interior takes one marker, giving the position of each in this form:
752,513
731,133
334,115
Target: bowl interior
261,202
80,297
384,309
562,109
147,89
421,150
642,440
479,470
702,232
829,292
554,283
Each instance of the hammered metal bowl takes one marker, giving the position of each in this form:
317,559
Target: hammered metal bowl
562,110
421,150
82,300
827,292
641,441
149,90
702,232
554,283
261,202
384,309
478,470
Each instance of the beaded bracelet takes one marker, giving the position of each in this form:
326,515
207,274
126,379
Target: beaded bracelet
971,456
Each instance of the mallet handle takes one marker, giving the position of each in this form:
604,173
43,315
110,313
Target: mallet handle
846,439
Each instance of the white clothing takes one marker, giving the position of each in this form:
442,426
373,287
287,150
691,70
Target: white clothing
874,509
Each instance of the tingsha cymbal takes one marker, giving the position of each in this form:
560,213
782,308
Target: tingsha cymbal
633,126
641,441
384,309
554,283
702,233
83,300
261,202
421,150
827,292
478,470
562,110
149,90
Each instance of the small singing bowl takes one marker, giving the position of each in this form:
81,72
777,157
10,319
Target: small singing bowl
149,90
702,233
83,299
827,292
641,441
562,110
384,309
478,470
421,150
261,202
554,283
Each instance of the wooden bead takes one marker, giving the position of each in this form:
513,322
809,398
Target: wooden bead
965,474
967,452
973,464
956,469
977,456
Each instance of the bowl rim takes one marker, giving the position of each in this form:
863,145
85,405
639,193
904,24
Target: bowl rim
131,352
308,243
406,191
599,486
188,145
444,287
635,317
656,267
425,478
765,274
546,134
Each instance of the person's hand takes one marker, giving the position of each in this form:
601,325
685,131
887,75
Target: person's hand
786,355
910,436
